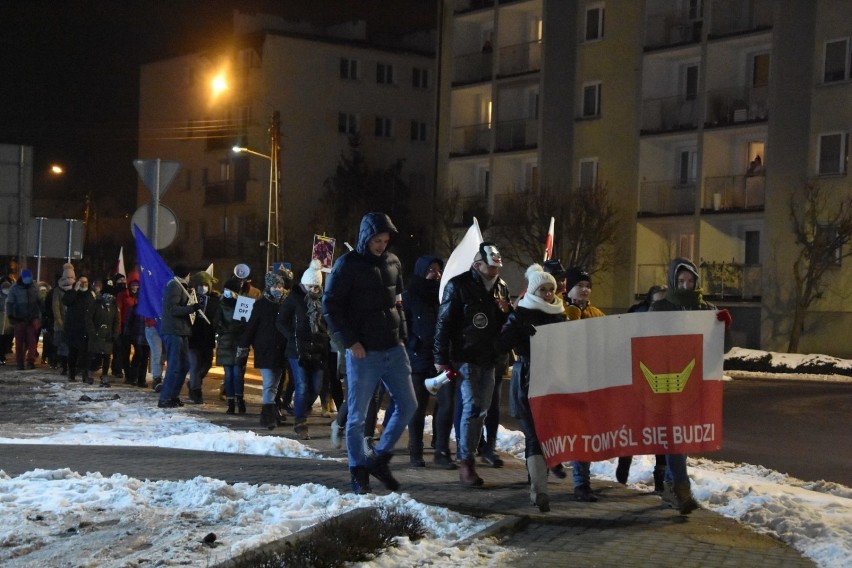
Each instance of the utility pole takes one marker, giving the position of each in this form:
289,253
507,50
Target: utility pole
273,233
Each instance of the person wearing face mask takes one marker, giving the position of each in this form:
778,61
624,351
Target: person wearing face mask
420,303
202,341
175,329
300,321
268,342
473,310
541,305
103,330
229,332
77,303
133,333
121,350
22,308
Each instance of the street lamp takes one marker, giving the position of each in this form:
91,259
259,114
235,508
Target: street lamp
272,233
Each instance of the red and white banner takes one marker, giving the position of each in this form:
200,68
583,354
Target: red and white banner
631,384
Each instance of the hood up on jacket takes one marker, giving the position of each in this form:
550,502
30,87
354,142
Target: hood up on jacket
678,264
371,225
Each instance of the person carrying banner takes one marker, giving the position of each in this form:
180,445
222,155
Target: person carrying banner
175,329
363,309
578,283
684,293
473,310
541,305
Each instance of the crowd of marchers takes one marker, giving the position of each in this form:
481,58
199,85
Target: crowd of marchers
359,341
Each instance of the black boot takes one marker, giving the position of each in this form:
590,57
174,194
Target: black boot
195,396
268,416
379,467
130,377
241,405
659,478
231,407
360,480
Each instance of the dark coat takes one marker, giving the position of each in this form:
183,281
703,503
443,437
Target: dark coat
230,331
102,326
262,334
203,333
175,318
309,347
22,302
78,304
360,300
420,304
469,321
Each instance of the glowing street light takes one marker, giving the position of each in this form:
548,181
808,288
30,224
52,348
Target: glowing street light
57,169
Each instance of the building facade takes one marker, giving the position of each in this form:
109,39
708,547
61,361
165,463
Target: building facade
322,85
701,116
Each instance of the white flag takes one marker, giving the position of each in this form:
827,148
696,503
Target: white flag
462,257
119,263
210,269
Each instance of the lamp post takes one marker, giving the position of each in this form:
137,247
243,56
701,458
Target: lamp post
272,225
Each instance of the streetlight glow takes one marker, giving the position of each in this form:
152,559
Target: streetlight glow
57,169
219,84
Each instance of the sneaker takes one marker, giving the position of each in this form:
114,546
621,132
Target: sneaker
378,466
368,445
157,385
584,494
166,404
492,459
336,435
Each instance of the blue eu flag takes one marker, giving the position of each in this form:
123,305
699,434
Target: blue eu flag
154,274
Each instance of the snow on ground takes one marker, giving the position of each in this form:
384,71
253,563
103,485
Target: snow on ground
122,521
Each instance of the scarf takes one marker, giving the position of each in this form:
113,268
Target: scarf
686,299
533,302
314,306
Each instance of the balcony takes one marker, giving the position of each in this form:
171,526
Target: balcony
737,105
667,197
224,192
733,17
519,59
670,29
719,280
472,68
669,114
230,246
471,140
734,193
519,134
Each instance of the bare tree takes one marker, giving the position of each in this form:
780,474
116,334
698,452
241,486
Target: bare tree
586,226
821,228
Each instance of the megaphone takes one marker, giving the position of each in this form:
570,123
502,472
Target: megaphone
242,271
434,384
573,313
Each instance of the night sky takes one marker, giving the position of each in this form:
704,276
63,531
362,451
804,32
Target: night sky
69,75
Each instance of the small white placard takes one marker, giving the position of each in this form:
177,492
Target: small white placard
242,311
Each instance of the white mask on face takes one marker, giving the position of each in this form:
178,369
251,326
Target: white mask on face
203,290
228,294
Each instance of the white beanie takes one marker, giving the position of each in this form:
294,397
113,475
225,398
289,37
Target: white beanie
66,281
313,275
536,276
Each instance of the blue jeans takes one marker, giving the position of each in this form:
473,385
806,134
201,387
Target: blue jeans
177,356
476,389
156,345
676,468
581,473
234,380
391,367
271,378
308,386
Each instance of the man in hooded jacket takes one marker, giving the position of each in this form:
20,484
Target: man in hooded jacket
362,305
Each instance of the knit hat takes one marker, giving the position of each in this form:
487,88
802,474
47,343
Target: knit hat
273,279
537,277
201,278
233,284
575,275
133,277
313,275
554,267
66,281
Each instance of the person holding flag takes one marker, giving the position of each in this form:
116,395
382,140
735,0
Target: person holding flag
176,327
474,308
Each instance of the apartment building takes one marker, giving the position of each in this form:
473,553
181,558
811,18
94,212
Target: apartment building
321,84
701,116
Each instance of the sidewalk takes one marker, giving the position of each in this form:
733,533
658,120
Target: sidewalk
624,528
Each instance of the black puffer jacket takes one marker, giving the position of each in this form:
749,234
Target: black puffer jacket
360,300
469,321
229,332
420,303
78,304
